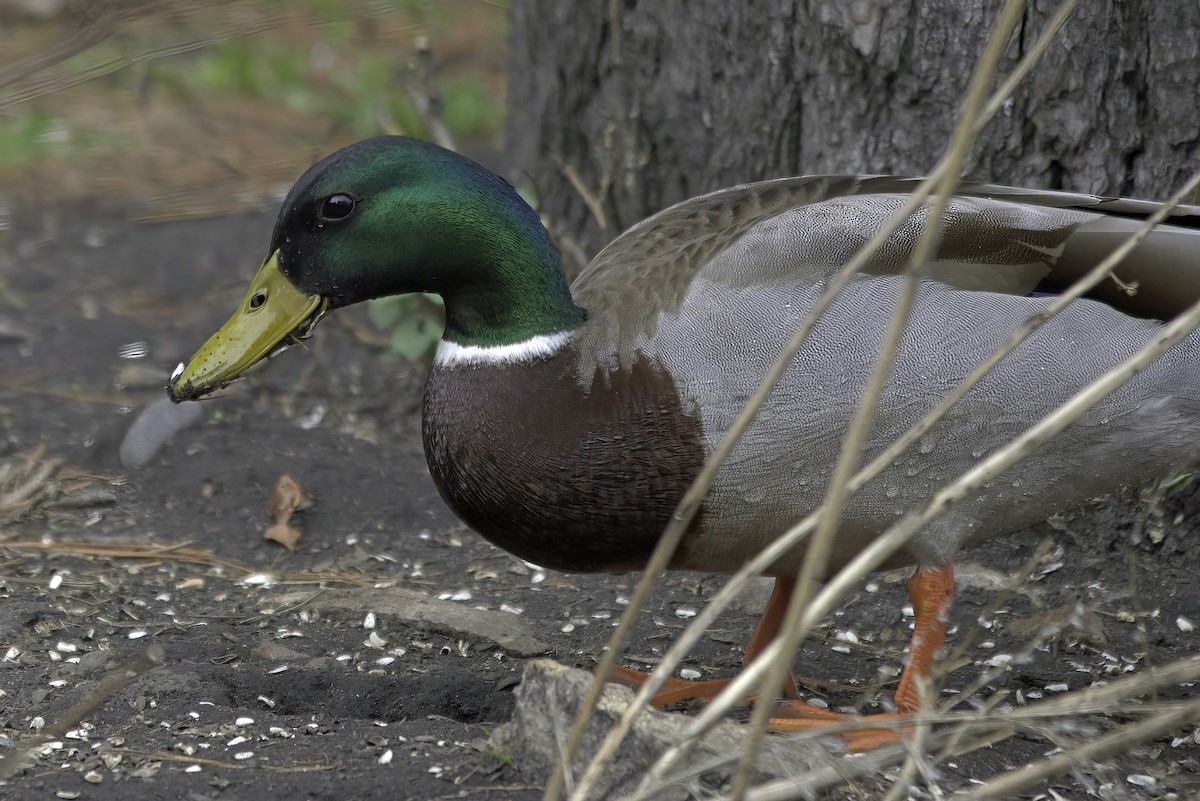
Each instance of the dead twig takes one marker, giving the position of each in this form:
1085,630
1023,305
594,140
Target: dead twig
1123,739
131,668
589,198
183,552
426,97
167,756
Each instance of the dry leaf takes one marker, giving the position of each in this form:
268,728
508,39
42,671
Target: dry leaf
285,535
286,498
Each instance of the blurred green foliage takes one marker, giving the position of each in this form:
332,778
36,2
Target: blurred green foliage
337,64
415,323
278,75
274,71
32,134
27,136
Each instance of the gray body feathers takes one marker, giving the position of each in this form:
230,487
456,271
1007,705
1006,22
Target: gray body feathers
716,314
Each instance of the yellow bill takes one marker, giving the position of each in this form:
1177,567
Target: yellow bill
273,315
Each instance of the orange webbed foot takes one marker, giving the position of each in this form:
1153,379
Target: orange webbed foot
931,590
673,690
793,716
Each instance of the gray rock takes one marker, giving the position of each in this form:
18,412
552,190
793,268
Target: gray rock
154,427
546,704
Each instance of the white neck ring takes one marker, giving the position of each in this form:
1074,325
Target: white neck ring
451,354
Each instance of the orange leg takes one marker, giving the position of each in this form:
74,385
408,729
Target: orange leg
931,590
675,690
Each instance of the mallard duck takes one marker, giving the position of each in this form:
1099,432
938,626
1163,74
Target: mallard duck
565,422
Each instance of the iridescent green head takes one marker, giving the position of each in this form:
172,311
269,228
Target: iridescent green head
386,216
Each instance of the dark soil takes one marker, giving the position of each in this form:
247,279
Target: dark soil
202,676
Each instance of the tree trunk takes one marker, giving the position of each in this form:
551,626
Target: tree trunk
619,109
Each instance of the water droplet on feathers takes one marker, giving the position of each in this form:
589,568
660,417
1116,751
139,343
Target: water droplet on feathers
754,495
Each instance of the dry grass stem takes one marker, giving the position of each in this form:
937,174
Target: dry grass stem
32,484
983,725
426,96
117,678
182,552
589,198
167,756
1116,742
104,20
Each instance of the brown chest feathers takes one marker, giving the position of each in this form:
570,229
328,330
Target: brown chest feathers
568,478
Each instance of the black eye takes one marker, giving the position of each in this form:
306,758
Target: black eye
259,299
337,207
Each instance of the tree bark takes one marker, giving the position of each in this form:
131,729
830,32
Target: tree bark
619,109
